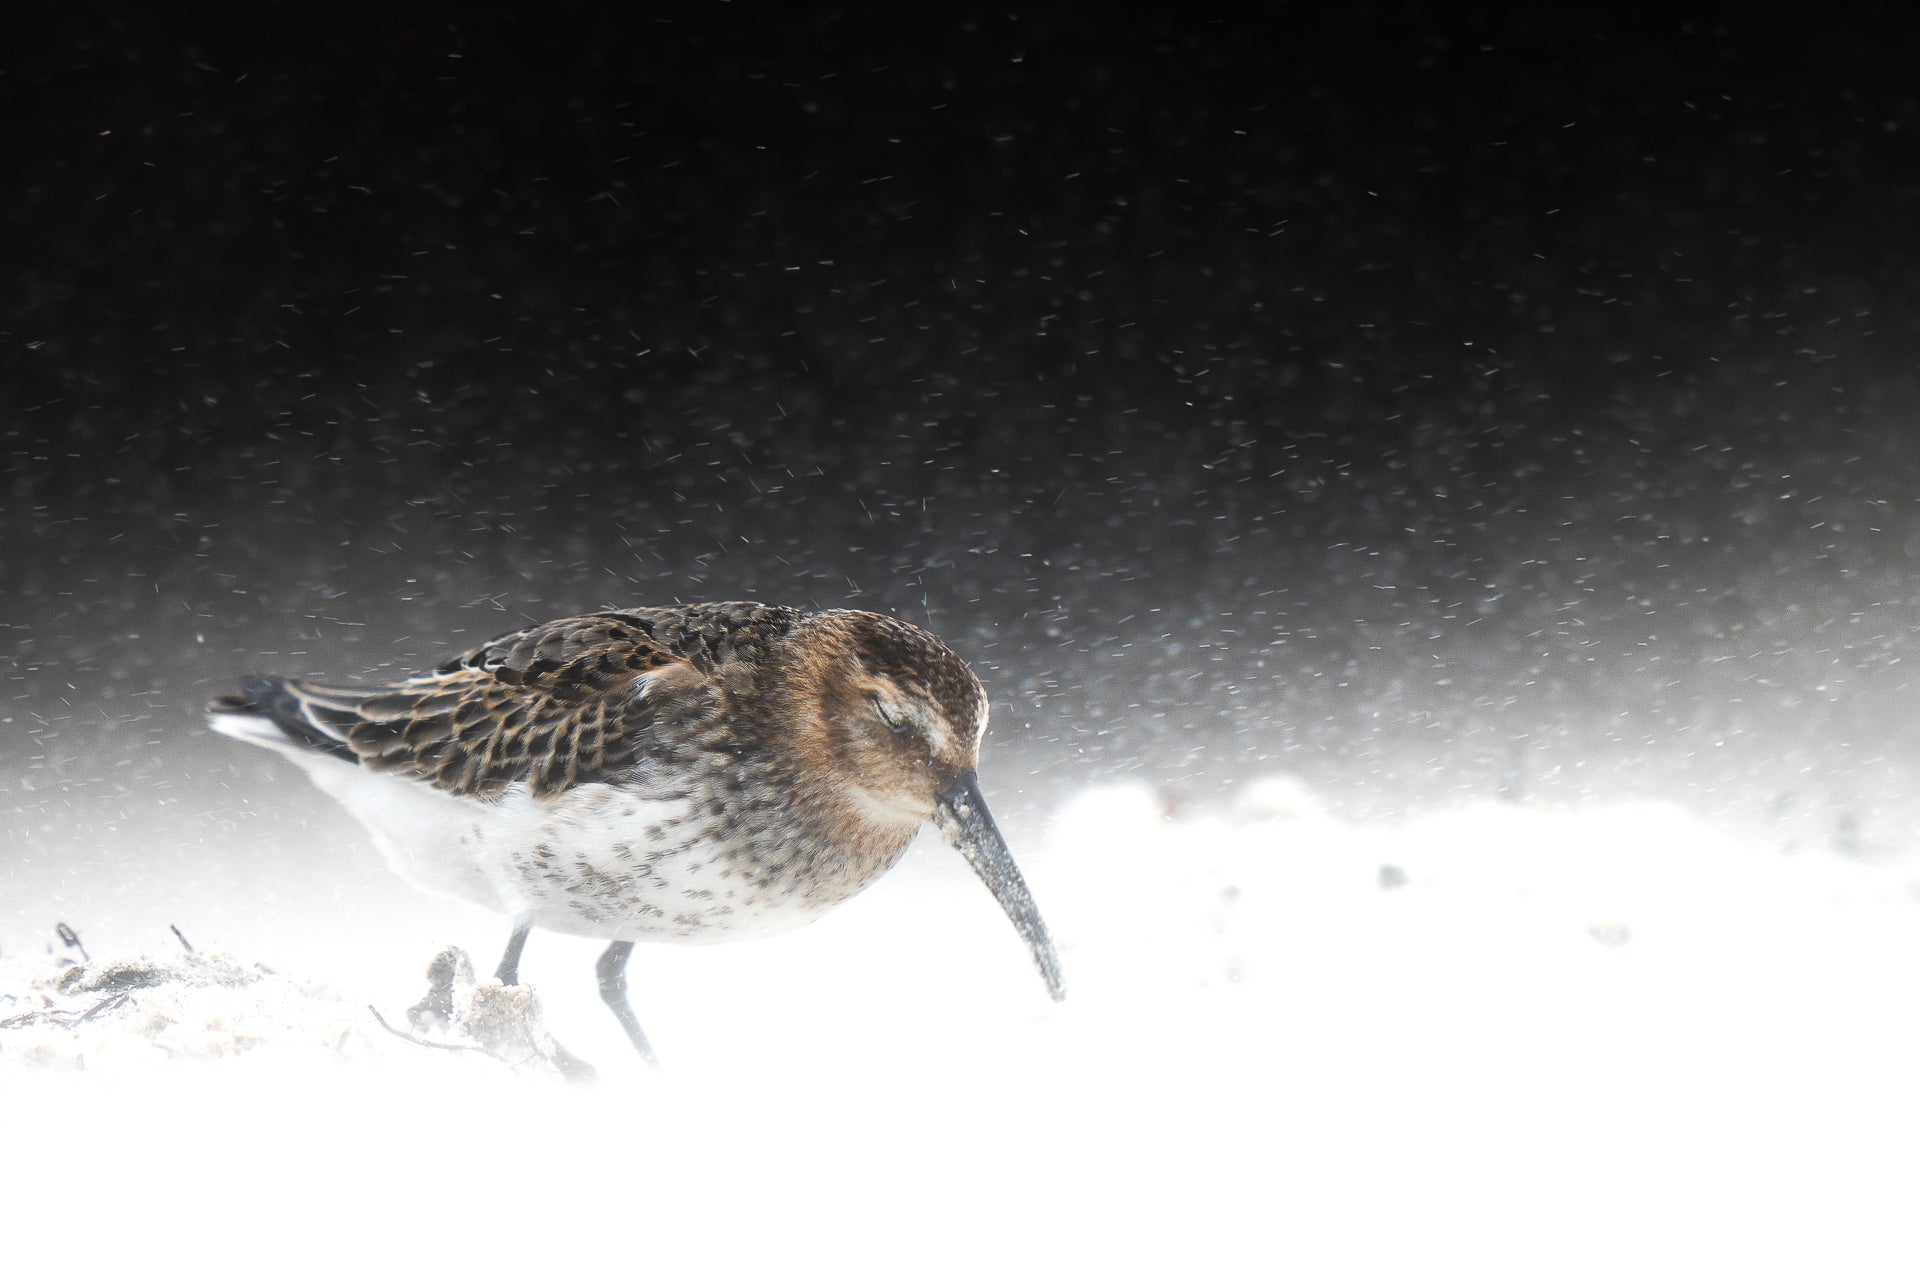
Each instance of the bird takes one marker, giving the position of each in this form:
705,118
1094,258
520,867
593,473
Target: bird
692,773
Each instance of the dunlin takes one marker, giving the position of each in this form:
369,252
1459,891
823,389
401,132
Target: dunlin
689,774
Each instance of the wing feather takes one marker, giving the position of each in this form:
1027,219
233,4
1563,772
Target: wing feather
553,706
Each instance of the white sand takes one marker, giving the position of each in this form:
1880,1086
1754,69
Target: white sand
1611,1041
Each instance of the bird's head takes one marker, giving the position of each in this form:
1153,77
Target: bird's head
898,718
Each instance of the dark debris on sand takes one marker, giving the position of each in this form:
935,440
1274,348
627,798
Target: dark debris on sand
65,1009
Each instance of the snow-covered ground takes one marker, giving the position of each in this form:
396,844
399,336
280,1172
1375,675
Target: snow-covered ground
1490,1041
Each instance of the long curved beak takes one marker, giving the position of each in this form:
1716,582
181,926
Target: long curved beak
961,814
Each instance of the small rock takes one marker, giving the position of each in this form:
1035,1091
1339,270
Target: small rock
451,968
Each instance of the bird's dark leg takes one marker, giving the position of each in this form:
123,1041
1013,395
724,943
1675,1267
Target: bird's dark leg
613,989
509,970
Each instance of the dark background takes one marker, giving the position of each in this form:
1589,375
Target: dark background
1433,407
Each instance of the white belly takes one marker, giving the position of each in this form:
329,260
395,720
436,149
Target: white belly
597,860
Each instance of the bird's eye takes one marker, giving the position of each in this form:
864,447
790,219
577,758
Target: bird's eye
887,717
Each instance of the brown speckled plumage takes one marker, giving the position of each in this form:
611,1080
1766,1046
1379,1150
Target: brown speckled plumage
694,773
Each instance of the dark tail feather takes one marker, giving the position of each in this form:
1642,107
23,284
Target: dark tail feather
273,699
